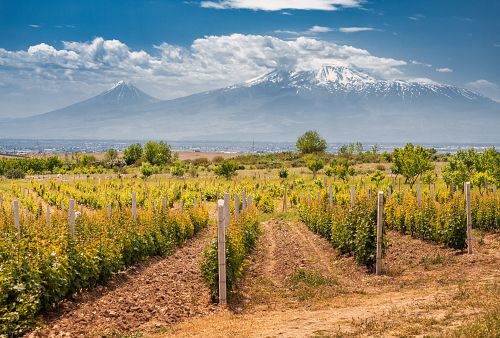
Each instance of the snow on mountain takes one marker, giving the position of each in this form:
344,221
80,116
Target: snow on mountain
342,103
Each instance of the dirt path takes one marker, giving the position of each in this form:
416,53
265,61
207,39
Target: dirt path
426,289
147,297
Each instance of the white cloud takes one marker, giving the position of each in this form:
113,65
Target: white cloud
481,83
355,29
444,70
320,29
81,69
314,30
277,5
486,88
34,26
424,80
415,62
417,17
496,45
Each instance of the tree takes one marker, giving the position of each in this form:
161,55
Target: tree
343,170
314,164
377,176
111,155
411,162
227,169
178,169
283,173
132,154
311,142
157,153
147,169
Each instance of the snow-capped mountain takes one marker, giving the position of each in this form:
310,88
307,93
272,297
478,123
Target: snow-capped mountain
343,104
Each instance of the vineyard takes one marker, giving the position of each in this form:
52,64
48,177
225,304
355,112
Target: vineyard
62,235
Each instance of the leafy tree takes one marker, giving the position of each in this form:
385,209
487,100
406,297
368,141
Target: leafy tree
311,142
147,169
330,171
377,176
227,169
133,153
429,177
111,155
158,153
359,148
375,149
343,170
411,162
482,180
178,169
314,164
283,173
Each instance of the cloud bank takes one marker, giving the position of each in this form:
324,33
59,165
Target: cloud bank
277,5
79,69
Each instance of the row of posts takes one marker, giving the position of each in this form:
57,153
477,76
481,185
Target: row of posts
223,222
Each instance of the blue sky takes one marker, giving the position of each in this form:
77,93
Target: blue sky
54,53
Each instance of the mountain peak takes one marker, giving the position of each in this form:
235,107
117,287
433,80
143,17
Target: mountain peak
125,93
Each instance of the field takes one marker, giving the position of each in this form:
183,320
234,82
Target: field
300,266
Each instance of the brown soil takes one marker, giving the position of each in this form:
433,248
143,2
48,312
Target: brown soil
425,290
146,297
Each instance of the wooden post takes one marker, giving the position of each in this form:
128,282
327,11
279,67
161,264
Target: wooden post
419,195
243,200
181,205
380,228
47,214
308,199
330,199
134,207
15,205
227,210
236,205
284,199
1,200
221,250
353,193
389,192
369,193
469,217
194,203
250,201
319,197
163,203
109,210
154,205
71,216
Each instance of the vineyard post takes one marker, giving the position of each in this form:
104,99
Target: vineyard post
109,210
221,251
389,192
469,217
432,191
380,226
163,203
1,200
353,192
181,205
201,197
319,197
134,207
308,199
244,200
330,193
419,195
227,210
16,215
47,215
369,194
236,205
284,199
71,216
250,201
194,203
154,205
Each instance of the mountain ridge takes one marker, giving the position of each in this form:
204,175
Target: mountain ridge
338,101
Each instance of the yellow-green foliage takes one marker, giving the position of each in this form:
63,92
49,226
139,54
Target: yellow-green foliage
240,239
352,230
44,264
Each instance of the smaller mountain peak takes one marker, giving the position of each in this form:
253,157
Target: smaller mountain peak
121,83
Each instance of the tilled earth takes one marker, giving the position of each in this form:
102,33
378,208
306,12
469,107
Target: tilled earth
146,298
